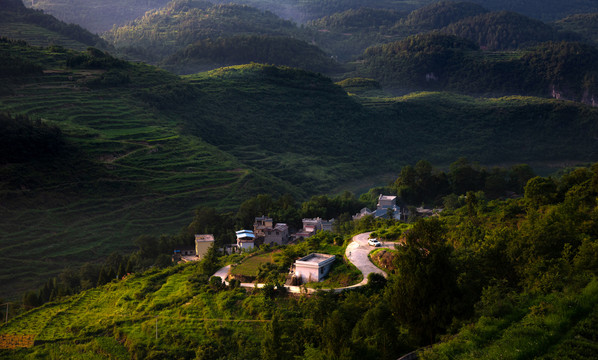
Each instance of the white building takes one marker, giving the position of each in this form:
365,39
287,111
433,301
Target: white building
245,239
386,204
313,267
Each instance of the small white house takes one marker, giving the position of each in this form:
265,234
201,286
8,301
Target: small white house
313,267
245,239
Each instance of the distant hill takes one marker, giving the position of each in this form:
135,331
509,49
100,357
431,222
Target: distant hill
243,49
97,16
445,62
441,14
505,30
160,33
546,10
358,20
35,27
584,24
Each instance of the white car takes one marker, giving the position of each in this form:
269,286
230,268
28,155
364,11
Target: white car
374,242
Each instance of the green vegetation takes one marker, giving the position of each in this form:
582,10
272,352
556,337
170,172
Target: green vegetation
445,62
584,24
236,50
513,277
505,30
145,148
160,33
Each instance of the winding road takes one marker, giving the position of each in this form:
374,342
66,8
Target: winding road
357,253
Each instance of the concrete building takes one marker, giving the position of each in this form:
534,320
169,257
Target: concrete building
387,205
245,239
313,267
311,226
263,228
202,244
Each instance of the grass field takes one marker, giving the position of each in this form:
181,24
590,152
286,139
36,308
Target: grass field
250,265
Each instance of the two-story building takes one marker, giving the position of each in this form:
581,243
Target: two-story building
271,234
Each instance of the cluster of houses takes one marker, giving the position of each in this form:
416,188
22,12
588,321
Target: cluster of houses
312,267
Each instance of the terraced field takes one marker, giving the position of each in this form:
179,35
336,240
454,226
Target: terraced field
140,175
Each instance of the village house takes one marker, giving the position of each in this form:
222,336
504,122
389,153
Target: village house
311,226
264,229
202,244
387,206
245,239
193,252
313,267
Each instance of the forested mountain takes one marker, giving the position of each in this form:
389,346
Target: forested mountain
547,10
349,33
243,49
160,33
359,20
20,23
505,30
445,62
584,24
441,14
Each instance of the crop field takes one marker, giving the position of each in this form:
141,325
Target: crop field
250,266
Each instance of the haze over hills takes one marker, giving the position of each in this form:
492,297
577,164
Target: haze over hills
100,17
37,28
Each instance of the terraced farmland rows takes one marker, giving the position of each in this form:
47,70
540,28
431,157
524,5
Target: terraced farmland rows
144,177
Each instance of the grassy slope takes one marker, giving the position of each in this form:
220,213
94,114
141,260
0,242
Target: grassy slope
127,310
548,327
130,172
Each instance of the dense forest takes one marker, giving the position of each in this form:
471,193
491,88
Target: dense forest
161,32
505,30
441,62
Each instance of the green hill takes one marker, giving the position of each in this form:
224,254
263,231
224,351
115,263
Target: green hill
35,27
235,50
160,33
358,19
546,10
441,62
441,14
505,30
584,24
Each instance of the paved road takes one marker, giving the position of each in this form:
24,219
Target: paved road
357,252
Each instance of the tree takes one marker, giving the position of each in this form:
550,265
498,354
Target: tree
540,191
210,262
423,293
